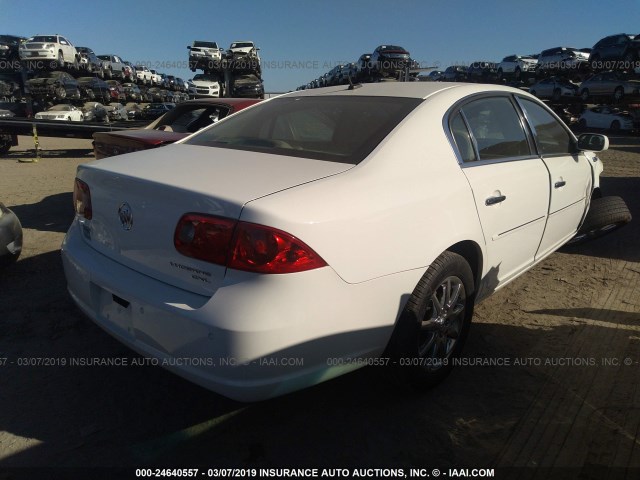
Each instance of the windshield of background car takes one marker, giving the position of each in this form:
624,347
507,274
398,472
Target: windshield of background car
193,118
44,39
206,77
205,44
333,128
241,45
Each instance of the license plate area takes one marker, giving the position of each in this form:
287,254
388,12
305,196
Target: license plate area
113,309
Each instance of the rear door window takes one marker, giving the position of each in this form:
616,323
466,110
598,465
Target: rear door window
496,128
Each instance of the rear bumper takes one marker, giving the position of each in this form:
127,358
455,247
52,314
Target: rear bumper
258,336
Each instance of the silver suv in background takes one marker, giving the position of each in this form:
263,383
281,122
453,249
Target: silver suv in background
50,47
517,66
205,55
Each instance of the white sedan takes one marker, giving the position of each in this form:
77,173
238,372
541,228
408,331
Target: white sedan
606,117
63,111
325,230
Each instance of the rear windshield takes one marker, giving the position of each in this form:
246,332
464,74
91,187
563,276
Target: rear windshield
333,128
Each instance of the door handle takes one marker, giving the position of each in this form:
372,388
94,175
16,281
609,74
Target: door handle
559,184
494,200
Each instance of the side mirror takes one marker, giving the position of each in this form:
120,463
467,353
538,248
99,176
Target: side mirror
593,142
188,47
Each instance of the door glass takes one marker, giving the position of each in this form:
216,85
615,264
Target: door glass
462,139
551,137
496,127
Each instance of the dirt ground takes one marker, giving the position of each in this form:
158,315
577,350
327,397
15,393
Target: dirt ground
563,401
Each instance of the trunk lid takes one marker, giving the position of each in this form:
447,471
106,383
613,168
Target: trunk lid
137,200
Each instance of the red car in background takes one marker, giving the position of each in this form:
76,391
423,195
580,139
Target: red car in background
185,119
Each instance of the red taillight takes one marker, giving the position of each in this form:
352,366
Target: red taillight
82,199
243,246
261,249
204,237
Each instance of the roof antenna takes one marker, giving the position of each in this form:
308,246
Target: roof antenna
352,86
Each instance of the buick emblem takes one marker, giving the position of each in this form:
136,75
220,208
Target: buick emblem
126,216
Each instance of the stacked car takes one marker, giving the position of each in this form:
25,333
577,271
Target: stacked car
567,77
236,72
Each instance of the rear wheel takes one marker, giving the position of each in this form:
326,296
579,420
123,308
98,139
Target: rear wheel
618,94
434,324
584,95
5,144
60,61
605,215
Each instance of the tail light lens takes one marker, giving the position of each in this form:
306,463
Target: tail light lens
204,237
82,199
261,249
243,246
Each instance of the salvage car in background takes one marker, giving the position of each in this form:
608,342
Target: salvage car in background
63,111
517,66
554,88
204,54
9,52
89,62
610,118
250,242
10,236
94,88
174,125
54,85
247,86
616,52
55,49
207,85
613,85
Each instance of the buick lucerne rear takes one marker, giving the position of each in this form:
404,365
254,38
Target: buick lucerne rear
325,230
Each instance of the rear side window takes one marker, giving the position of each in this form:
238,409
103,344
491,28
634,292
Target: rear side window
333,128
496,128
463,139
551,137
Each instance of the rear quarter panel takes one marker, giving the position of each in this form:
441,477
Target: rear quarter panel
399,209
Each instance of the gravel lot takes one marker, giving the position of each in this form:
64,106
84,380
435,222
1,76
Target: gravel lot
562,398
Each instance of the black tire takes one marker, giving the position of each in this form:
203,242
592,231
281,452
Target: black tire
5,146
109,74
500,74
517,75
433,326
584,95
618,94
60,61
629,60
605,215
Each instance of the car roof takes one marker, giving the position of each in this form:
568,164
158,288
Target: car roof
407,89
